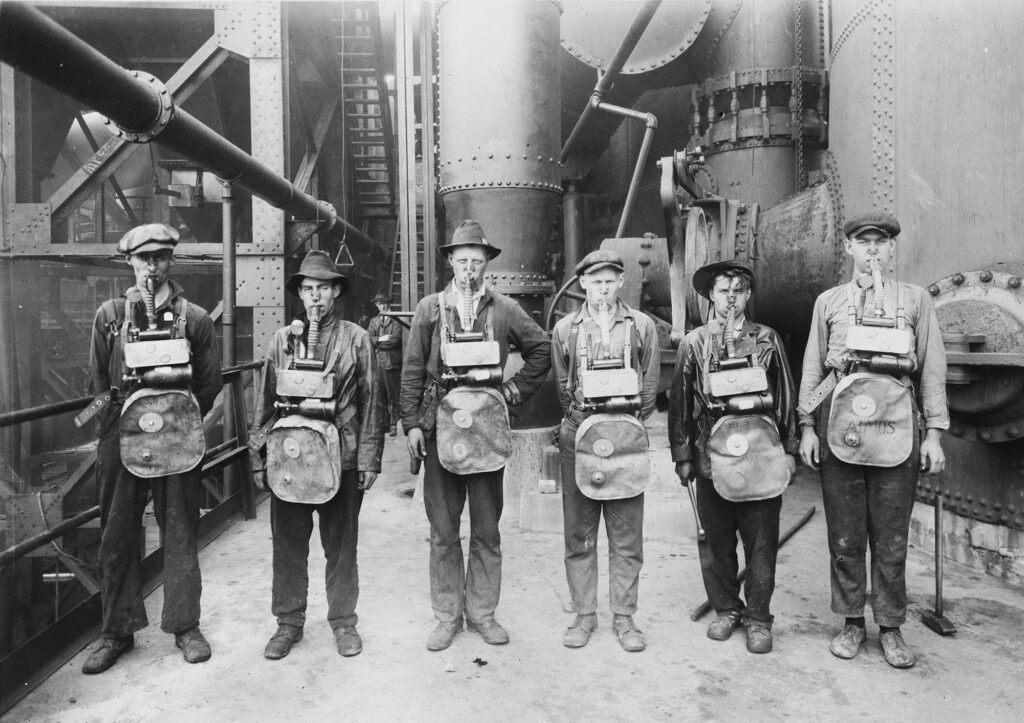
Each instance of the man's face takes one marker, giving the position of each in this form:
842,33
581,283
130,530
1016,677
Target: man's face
382,306
318,296
871,243
729,290
468,264
602,286
156,263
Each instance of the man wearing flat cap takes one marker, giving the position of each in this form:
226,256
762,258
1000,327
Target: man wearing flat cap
386,336
156,304
604,340
872,407
732,431
321,391
438,373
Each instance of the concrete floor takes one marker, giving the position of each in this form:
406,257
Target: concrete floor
973,675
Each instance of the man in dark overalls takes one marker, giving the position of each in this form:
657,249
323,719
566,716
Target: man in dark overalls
386,336
158,302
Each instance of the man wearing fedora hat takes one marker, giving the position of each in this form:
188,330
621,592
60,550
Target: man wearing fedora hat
149,250
386,335
347,353
732,345
458,590
868,493
605,329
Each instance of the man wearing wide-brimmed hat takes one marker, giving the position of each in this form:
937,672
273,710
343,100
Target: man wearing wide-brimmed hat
328,346
872,410
732,432
156,298
470,309
386,335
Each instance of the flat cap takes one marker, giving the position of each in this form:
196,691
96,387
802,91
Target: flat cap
704,277
873,219
317,265
469,233
148,237
600,259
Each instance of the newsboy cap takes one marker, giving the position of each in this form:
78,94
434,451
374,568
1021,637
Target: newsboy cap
148,237
873,219
469,233
317,265
704,277
600,259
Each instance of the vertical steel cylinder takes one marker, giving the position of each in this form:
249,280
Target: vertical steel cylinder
500,127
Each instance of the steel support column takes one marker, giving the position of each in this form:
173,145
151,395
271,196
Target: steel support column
406,133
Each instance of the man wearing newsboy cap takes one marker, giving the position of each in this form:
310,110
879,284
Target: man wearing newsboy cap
149,251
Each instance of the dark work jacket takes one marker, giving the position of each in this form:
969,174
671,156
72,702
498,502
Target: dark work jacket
107,367
690,418
421,365
389,353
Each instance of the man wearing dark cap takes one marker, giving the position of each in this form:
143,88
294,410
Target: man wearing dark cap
603,330
470,310
319,346
732,431
874,379
386,336
156,302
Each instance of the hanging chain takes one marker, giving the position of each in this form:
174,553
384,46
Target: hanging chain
798,98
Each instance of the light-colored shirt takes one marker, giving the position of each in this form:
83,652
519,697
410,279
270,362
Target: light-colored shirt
826,346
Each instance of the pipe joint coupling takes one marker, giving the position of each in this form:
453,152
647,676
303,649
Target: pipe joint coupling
163,116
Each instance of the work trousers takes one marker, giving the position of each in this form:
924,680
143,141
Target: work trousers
123,500
624,525
758,526
472,589
392,386
291,524
869,507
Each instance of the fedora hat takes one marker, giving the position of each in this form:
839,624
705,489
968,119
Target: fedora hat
704,277
317,265
469,233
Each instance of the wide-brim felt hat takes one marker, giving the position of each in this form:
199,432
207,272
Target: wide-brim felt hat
382,297
704,277
872,220
148,237
317,265
469,233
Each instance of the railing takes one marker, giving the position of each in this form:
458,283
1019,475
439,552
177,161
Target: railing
30,663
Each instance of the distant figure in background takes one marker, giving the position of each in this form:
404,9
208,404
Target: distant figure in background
386,336
156,307
368,312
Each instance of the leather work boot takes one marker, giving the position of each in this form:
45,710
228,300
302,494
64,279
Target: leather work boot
193,645
393,432
631,638
847,643
281,642
897,654
103,657
759,636
724,623
443,635
579,632
490,630
348,641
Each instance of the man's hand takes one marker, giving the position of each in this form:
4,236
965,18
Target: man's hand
933,459
684,471
366,480
510,390
417,443
259,477
809,451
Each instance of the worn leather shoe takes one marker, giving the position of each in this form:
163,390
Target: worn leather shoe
631,638
348,641
490,630
578,634
103,657
724,623
847,643
281,642
442,636
759,637
897,654
193,645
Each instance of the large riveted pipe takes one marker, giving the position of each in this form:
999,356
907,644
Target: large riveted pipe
41,48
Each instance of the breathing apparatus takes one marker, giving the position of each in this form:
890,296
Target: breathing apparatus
875,341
